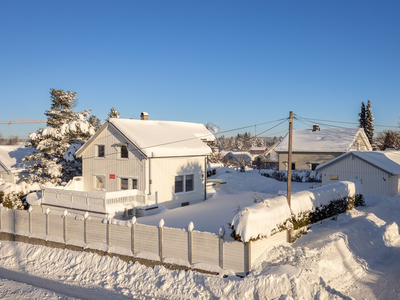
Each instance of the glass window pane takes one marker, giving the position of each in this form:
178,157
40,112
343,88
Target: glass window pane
189,183
134,184
100,150
124,152
100,182
178,184
124,183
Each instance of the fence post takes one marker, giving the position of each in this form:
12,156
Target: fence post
65,214
15,219
30,219
156,197
247,252
85,220
47,221
1,216
190,241
133,234
160,238
108,222
221,246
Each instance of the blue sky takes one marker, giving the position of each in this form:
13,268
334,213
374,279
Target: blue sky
233,63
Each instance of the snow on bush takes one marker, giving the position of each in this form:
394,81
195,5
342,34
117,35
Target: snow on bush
272,215
297,175
14,192
261,219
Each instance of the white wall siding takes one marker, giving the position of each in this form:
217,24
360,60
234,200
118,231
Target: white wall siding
22,220
75,229
96,231
142,241
260,246
120,236
134,165
374,181
38,223
205,248
56,225
175,243
164,170
234,256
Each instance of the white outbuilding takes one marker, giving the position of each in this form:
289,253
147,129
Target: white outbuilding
378,171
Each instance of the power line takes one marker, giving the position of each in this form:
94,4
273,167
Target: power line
312,120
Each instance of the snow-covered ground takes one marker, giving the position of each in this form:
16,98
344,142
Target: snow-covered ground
355,257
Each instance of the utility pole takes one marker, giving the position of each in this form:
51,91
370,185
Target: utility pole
289,176
289,179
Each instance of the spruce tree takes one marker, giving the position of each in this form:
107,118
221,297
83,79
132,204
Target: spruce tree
369,126
53,159
362,116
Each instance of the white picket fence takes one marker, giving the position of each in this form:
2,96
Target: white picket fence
170,245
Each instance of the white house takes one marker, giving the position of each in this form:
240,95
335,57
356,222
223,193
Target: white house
12,168
130,163
378,171
313,147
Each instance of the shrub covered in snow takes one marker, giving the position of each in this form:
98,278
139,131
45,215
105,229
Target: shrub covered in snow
297,175
13,194
273,215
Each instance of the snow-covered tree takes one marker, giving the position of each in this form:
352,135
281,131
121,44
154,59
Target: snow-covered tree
388,139
95,122
54,157
113,113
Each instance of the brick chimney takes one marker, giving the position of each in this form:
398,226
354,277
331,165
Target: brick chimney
144,116
315,127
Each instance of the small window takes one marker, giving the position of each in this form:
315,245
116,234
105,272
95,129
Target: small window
124,183
99,182
189,183
178,184
334,177
293,166
100,150
128,184
134,184
124,151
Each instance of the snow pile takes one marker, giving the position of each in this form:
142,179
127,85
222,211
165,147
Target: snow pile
262,219
391,236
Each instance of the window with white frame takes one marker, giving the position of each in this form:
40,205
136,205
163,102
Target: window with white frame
334,177
100,151
99,182
123,151
184,183
128,183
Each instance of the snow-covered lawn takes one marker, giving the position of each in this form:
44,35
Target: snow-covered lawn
241,190
355,257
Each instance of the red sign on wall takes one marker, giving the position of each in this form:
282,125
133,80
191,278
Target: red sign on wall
112,176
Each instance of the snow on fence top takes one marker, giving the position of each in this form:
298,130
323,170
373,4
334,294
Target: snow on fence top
262,219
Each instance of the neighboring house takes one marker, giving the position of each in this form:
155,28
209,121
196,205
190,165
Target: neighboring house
240,159
378,171
12,168
313,147
257,150
269,159
130,163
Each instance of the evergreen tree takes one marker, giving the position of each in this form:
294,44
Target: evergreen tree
95,122
53,159
369,126
362,116
113,113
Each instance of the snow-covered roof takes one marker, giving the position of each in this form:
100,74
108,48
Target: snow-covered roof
246,156
164,138
253,148
387,161
323,140
11,157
